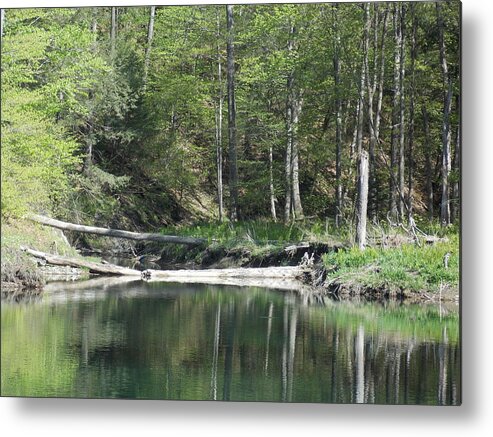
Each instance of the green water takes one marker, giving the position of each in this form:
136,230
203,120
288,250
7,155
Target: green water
170,341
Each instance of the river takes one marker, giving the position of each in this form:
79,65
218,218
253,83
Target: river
131,339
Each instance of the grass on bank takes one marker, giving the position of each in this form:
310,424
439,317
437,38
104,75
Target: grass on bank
403,266
259,235
406,267
16,266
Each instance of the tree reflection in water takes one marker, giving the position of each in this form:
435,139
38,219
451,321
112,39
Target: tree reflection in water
170,341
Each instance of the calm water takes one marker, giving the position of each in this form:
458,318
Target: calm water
171,341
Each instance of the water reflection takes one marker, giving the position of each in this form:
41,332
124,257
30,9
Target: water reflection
168,341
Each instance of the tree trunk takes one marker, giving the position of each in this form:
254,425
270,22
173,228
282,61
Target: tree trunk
402,105
446,134
113,31
372,89
219,128
362,200
375,119
298,209
363,169
150,35
395,113
233,167
288,165
94,267
337,82
363,80
2,21
116,233
289,201
88,158
429,165
271,186
410,161
94,23
455,201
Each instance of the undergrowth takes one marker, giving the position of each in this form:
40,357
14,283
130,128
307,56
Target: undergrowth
16,266
407,267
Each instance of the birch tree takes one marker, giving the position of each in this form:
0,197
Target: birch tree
233,166
339,127
446,132
150,35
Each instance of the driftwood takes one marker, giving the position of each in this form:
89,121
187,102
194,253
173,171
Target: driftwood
274,277
239,273
116,233
94,267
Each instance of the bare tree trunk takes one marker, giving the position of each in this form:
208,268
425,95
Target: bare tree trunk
455,201
429,166
362,200
352,147
288,165
298,209
337,81
395,113
94,23
376,119
363,169
364,72
94,267
88,158
219,127
150,35
410,161
271,186
371,89
113,31
233,166
402,156
116,233
290,135
2,21
446,133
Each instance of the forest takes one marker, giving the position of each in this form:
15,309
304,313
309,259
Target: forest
245,125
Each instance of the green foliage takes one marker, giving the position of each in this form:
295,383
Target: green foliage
152,146
408,267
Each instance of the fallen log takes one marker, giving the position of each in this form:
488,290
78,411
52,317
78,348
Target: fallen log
116,233
265,276
280,273
94,267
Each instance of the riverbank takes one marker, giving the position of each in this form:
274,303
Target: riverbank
392,268
20,271
425,272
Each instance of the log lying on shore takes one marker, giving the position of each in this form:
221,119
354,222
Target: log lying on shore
116,233
280,273
94,267
265,276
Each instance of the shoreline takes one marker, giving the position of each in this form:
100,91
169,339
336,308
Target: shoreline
314,283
